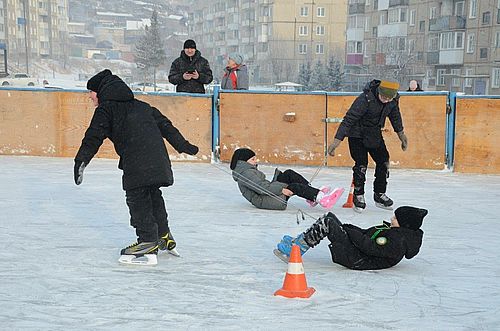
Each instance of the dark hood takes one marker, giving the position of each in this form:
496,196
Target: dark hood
112,88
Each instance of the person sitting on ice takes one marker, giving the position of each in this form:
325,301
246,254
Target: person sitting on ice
274,194
378,247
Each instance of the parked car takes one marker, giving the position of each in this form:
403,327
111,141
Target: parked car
145,87
19,79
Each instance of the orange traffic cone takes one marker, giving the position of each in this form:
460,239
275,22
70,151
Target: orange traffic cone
349,203
295,284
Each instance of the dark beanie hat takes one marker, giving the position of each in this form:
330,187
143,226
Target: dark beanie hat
410,217
243,154
94,82
189,44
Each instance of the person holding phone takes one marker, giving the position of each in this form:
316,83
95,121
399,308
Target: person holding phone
190,71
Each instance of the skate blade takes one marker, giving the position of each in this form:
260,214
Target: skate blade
174,252
382,206
357,209
146,259
280,255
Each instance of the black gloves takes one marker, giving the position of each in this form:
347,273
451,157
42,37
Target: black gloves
190,149
333,146
78,171
404,140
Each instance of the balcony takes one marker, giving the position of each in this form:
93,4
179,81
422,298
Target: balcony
395,3
392,30
356,8
445,23
356,59
451,56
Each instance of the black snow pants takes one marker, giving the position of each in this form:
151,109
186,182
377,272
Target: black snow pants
298,184
380,156
147,213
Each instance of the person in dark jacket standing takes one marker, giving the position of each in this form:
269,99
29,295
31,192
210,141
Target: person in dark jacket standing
137,131
190,71
235,74
274,194
378,247
362,125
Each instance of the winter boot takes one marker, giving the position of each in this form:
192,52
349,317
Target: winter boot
277,172
285,246
140,253
324,189
167,242
382,201
328,200
359,202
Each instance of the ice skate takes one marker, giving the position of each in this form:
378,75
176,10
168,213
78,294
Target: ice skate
329,199
359,202
144,253
324,189
382,201
284,247
167,242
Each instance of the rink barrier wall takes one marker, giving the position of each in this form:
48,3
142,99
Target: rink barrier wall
454,131
52,123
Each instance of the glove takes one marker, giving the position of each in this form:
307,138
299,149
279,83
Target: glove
404,140
335,144
78,171
191,149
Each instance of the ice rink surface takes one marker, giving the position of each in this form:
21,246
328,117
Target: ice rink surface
62,242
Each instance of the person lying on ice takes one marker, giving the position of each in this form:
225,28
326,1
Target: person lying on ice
274,194
378,247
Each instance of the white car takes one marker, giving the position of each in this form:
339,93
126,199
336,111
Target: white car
19,79
145,87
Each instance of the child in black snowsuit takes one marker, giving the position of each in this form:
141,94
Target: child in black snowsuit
274,194
378,247
137,131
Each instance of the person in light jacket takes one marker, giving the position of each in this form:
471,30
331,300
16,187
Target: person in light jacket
235,74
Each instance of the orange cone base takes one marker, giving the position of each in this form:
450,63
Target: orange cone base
348,204
295,294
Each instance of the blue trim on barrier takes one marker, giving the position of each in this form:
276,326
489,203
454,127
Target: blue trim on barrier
478,96
273,92
450,129
215,121
42,89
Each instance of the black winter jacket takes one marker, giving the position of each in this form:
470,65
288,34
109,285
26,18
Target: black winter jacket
137,131
367,111
361,252
184,64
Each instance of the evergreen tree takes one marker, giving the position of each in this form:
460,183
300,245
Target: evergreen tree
335,74
150,52
319,79
305,75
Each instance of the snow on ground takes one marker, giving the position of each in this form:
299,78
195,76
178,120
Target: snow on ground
61,244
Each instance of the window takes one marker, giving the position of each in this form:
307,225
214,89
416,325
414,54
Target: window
302,48
452,40
468,81
320,12
367,24
471,43
433,43
483,53
459,8
303,30
421,26
367,2
320,30
432,13
497,39
396,15
440,76
473,9
354,47
486,18
413,15
320,49
455,80
374,31
495,78
304,11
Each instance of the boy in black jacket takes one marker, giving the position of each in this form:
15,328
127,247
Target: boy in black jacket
137,131
378,247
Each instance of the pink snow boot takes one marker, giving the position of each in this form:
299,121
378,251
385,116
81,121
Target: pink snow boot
324,189
328,200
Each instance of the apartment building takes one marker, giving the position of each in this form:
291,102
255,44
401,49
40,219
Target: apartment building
445,45
274,36
33,28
